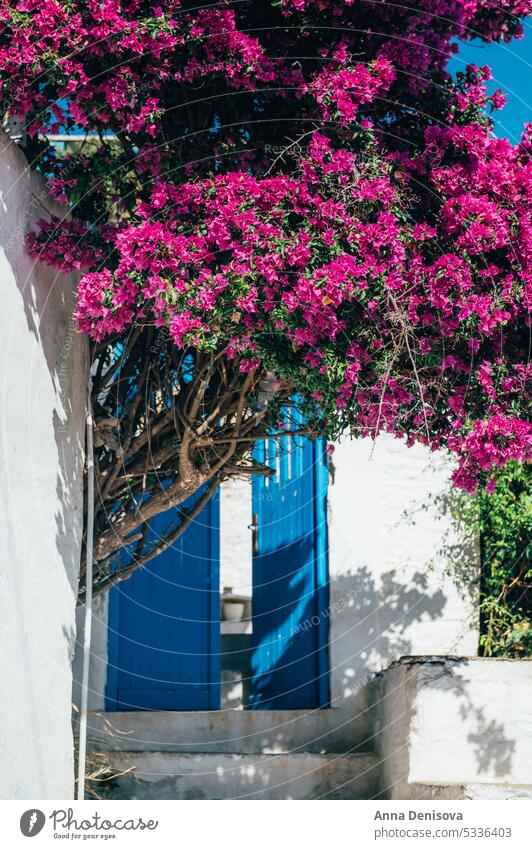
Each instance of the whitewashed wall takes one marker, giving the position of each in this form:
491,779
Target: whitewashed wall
396,561
42,404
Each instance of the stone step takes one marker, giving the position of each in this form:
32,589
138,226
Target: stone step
230,731
161,775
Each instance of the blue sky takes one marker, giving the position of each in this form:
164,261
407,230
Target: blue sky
511,66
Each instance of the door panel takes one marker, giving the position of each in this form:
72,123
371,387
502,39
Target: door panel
290,580
164,628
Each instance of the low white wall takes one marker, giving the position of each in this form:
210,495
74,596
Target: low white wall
395,561
42,404
456,728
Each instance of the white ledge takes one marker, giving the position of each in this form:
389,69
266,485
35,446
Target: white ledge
239,626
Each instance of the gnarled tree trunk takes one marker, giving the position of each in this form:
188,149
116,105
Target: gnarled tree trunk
168,423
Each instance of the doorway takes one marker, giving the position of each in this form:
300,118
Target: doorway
164,644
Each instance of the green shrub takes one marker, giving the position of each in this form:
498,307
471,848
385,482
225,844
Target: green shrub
504,520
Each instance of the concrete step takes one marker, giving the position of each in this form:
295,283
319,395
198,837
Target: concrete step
472,792
161,775
239,732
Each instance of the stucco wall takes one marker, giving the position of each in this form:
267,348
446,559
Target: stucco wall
42,402
455,728
400,568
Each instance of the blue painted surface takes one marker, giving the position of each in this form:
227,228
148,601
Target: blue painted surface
289,662
164,624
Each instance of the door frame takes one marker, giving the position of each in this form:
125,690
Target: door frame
321,534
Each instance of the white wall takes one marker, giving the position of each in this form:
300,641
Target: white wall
42,398
456,728
393,555
235,536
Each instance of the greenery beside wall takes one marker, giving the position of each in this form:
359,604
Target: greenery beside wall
504,521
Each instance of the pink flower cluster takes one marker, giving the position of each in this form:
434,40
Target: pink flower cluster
490,444
320,274
301,186
118,62
64,243
341,93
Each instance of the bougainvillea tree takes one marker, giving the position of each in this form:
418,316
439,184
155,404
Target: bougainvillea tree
271,200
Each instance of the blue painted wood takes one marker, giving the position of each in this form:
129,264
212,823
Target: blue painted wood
290,578
164,624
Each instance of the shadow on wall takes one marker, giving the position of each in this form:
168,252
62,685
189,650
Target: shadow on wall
41,498
371,623
48,298
491,747
455,728
394,542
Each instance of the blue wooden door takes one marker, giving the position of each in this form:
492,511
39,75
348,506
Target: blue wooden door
164,624
289,661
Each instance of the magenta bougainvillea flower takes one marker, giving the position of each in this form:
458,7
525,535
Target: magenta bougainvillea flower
302,186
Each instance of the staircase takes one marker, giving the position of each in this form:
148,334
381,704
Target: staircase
236,754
